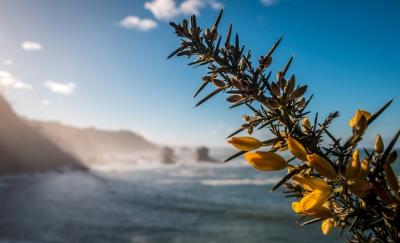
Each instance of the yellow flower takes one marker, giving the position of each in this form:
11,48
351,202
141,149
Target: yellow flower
326,226
296,148
311,184
265,160
379,144
359,120
353,167
313,200
313,204
322,212
322,166
297,208
245,143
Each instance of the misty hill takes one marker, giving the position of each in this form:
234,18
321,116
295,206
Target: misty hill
22,149
93,145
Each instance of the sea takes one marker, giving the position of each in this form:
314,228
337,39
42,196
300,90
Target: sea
151,202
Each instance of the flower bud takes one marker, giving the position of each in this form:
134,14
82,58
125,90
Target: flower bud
359,122
311,184
245,143
379,144
234,98
219,83
326,226
296,148
362,125
306,124
275,89
322,166
355,120
236,83
272,103
353,167
266,161
246,118
301,103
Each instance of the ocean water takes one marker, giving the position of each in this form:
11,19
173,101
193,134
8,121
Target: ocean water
192,202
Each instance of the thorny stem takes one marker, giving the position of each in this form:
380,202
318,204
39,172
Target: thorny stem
281,108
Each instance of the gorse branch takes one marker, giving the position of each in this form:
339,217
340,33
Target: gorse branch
334,183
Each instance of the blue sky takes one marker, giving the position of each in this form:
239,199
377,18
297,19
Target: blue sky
85,63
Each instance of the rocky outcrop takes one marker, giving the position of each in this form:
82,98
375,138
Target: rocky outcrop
24,150
167,155
201,154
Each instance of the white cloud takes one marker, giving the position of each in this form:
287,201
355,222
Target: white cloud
190,7
216,5
269,3
134,22
31,46
162,9
22,85
61,88
7,62
168,9
8,80
45,102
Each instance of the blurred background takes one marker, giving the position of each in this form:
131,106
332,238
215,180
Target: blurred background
99,140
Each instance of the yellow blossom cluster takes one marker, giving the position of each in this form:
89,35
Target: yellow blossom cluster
322,179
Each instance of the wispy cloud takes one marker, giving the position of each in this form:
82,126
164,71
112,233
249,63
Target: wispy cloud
270,3
61,88
168,9
31,46
7,62
134,22
22,85
162,9
216,5
189,7
8,80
